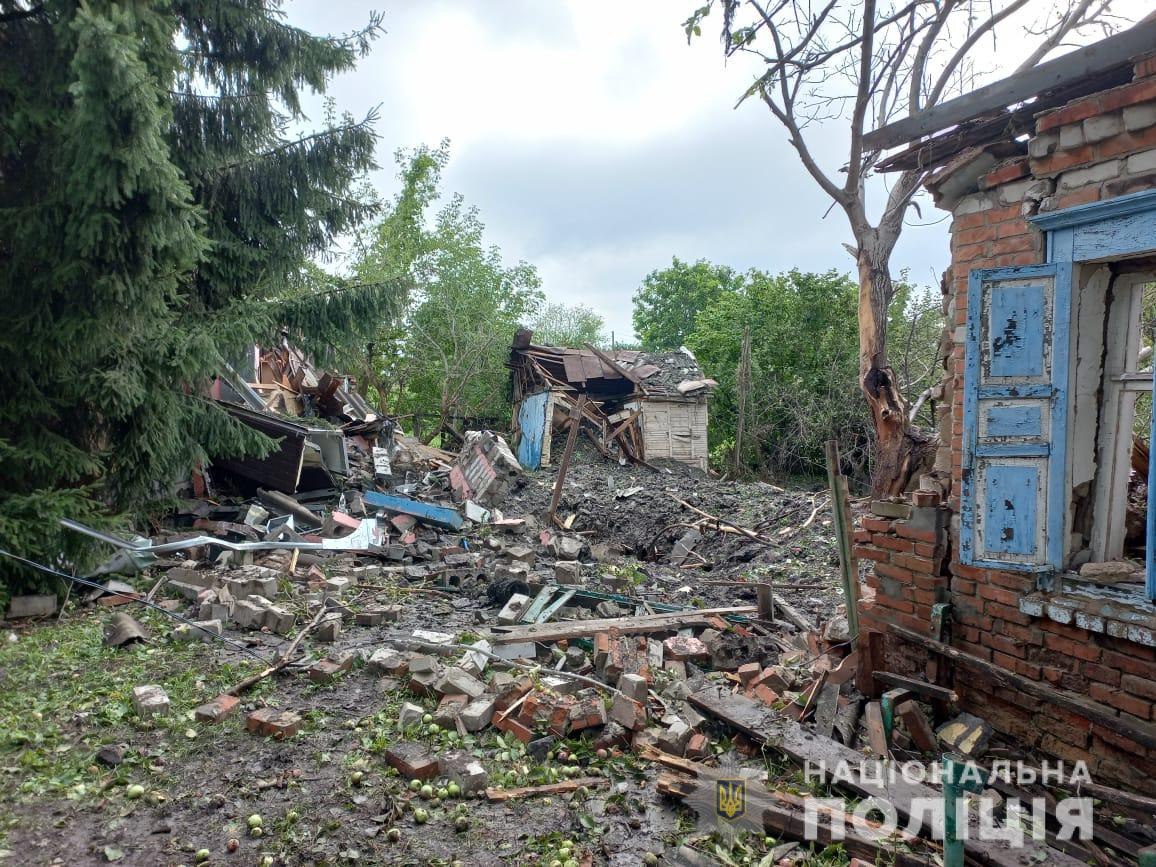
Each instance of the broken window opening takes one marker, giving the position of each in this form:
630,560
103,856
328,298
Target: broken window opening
1113,423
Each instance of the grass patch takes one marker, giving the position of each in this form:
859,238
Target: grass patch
63,695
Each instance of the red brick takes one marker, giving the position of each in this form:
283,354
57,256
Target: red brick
973,573
890,570
1012,581
1011,228
918,565
1129,704
999,594
976,235
1028,669
875,525
870,552
906,531
1008,172
274,722
1004,644
1081,196
1098,673
1005,612
968,221
969,252
962,587
1145,68
1129,94
1062,161
413,760
221,707
1127,142
1139,686
1074,112
863,535
891,543
1015,244
927,549
895,604
1023,634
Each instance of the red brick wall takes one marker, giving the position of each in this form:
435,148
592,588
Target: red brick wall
1092,149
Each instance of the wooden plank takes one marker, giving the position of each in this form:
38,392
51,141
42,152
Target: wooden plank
1095,59
614,365
783,815
553,607
917,726
625,625
841,513
766,727
1141,732
535,608
919,687
495,795
876,731
440,516
575,423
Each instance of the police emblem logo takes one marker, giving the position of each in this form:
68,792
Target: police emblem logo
730,799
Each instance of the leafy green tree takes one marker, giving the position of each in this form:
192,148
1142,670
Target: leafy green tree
566,325
154,220
803,373
669,300
446,353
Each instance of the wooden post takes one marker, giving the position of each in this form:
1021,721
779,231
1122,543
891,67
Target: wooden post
766,601
575,422
841,512
744,396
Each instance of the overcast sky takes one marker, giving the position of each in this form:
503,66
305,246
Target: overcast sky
596,143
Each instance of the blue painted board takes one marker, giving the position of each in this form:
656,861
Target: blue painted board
1010,509
1016,369
533,429
1015,421
439,516
1016,331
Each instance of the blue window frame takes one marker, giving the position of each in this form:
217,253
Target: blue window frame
1016,486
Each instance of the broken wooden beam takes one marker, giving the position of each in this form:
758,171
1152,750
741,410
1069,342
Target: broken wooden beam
919,687
769,728
571,629
495,795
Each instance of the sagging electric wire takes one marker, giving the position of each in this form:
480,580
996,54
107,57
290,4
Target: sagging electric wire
86,582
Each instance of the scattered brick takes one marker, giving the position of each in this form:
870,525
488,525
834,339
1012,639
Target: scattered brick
220,708
274,723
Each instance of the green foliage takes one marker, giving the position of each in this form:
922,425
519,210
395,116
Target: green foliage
155,219
669,300
565,325
446,353
804,368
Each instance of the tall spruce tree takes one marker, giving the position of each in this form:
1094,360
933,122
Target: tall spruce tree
159,211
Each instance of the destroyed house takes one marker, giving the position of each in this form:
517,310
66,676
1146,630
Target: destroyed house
1021,574
639,405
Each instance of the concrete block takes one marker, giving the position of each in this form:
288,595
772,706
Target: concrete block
513,609
329,629
39,605
456,681
474,662
472,777
247,614
628,713
1137,117
568,572
633,686
675,738
150,700
685,649
478,714
411,714
1103,126
278,621
448,709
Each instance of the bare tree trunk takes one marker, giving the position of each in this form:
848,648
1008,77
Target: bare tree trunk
902,450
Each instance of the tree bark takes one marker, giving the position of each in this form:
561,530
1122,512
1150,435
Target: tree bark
902,450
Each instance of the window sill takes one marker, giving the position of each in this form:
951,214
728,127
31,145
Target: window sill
1125,614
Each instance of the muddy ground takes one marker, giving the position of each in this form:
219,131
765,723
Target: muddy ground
326,796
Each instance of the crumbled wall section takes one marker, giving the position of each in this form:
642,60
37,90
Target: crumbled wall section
1095,148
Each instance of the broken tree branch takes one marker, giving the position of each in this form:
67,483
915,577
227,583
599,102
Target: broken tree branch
251,681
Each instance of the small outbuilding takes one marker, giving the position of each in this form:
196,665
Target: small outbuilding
641,406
